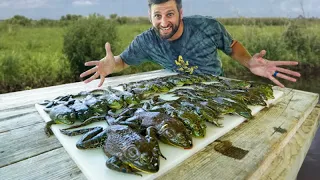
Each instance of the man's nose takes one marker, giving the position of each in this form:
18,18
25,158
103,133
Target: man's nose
164,21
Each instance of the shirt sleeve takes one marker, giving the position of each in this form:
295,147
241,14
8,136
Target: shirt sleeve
221,37
135,53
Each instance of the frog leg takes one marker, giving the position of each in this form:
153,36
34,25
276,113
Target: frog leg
47,128
132,122
92,139
87,121
76,132
116,164
125,112
152,138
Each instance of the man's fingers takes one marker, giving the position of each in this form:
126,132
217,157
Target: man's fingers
92,63
280,75
102,78
261,54
287,71
274,80
285,63
108,50
93,77
90,71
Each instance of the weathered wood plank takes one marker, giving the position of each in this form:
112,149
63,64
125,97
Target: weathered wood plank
18,118
24,145
31,97
20,144
257,136
294,153
52,165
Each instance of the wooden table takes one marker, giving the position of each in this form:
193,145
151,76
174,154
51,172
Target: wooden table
276,140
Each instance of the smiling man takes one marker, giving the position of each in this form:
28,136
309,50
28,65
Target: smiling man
195,38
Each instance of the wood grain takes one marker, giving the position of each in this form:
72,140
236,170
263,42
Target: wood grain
256,136
26,152
52,165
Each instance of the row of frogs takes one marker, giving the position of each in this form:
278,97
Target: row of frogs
130,140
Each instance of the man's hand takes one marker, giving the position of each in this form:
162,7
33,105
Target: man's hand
102,68
265,68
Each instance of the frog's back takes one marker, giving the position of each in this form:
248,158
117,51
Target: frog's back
120,137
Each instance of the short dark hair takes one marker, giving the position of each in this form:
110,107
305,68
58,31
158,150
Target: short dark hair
151,2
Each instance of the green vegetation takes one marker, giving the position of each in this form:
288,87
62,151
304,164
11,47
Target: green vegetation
84,41
47,52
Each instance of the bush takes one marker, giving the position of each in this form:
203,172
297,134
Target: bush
10,75
19,20
85,39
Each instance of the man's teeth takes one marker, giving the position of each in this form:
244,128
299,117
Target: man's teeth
166,28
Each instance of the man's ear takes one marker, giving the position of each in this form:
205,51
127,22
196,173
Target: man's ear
149,13
181,13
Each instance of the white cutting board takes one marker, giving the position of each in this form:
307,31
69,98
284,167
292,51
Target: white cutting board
92,161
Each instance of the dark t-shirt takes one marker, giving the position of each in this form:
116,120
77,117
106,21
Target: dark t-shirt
198,45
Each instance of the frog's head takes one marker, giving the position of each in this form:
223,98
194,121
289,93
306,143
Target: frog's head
175,133
132,100
114,101
66,119
143,156
199,130
194,123
61,114
98,106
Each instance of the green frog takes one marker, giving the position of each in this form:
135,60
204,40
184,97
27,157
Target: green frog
169,129
127,150
59,114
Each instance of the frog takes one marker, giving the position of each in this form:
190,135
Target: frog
169,129
129,98
96,105
186,115
81,110
59,114
113,101
127,150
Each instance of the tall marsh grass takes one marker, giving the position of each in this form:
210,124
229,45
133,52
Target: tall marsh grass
32,57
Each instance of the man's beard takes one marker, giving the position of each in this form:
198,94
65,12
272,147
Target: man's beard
167,36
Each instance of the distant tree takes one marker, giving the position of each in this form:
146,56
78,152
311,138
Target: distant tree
113,16
20,20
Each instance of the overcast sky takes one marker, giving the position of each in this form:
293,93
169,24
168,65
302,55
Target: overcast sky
54,9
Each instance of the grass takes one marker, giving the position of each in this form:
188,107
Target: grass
31,57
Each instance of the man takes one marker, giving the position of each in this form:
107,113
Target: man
195,39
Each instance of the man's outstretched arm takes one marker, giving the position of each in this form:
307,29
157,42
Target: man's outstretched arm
263,67
107,65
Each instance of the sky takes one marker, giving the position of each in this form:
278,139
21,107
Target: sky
54,9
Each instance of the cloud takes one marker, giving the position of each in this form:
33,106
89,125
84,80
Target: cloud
23,4
84,2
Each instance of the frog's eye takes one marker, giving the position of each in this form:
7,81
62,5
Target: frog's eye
180,136
170,133
144,158
72,115
156,151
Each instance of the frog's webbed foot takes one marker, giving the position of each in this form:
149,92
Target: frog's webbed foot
47,128
92,139
116,164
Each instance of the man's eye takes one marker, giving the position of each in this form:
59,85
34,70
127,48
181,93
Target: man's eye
170,14
157,16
